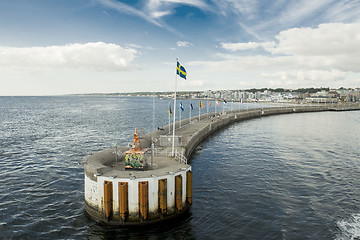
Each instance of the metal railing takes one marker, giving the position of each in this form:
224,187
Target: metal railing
181,158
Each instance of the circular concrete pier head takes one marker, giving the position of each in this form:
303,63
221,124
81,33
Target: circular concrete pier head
115,195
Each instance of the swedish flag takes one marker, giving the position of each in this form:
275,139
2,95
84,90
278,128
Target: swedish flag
180,70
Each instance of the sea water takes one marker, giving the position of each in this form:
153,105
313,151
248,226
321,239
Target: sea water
293,176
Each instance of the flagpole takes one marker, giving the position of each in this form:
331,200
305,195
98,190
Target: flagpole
199,109
190,110
180,115
153,116
173,140
207,106
215,107
169,117
152,137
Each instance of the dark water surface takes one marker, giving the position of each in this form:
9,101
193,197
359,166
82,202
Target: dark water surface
293,176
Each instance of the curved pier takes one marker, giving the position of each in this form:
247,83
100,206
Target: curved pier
162,189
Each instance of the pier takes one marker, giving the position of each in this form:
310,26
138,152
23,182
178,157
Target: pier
162,189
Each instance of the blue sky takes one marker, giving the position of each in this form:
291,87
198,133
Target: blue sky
83,46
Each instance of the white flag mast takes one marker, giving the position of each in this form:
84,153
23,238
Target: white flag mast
180,70
174,118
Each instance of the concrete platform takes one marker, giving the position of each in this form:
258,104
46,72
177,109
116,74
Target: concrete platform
105,167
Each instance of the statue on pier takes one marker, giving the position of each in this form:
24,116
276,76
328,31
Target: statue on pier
135,157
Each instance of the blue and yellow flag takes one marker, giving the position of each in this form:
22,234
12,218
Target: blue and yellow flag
180,70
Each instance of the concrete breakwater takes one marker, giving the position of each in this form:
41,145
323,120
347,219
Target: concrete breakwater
163,189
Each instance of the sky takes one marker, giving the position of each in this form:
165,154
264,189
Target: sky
55,47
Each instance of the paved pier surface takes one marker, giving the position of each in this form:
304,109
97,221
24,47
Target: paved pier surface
191,132
117,196
194,131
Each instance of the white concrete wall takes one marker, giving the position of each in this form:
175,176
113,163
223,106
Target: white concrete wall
170,192
183,175
91,191
133,192
153,194
94,191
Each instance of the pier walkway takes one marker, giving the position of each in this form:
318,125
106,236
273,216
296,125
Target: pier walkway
190,132
163,188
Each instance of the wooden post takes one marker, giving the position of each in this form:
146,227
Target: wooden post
178,192
143,200
123,201
189,187
108,199
163,196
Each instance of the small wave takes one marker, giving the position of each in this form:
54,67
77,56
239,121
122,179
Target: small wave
349,228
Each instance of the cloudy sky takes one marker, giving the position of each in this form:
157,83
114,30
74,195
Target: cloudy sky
85,46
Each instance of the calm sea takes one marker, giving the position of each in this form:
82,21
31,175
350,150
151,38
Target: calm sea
293,176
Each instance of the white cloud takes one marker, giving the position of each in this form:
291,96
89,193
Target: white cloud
160,14
329,46
183,44
246,46
247,8
327,39
98,55
124,8
300,10
327,54
154,10
191,83
343,11
304,77
155,5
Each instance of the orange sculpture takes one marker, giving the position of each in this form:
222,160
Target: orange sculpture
135,157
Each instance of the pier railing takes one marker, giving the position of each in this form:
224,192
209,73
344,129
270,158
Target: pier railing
180,157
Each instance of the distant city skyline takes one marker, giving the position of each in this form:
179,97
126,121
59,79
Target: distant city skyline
104,46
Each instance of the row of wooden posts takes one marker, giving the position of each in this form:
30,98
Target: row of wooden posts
144,197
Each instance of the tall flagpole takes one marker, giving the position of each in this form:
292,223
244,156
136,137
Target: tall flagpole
173,140
153,116
190,110
215,107
180,110
169,118
207,106
199,109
